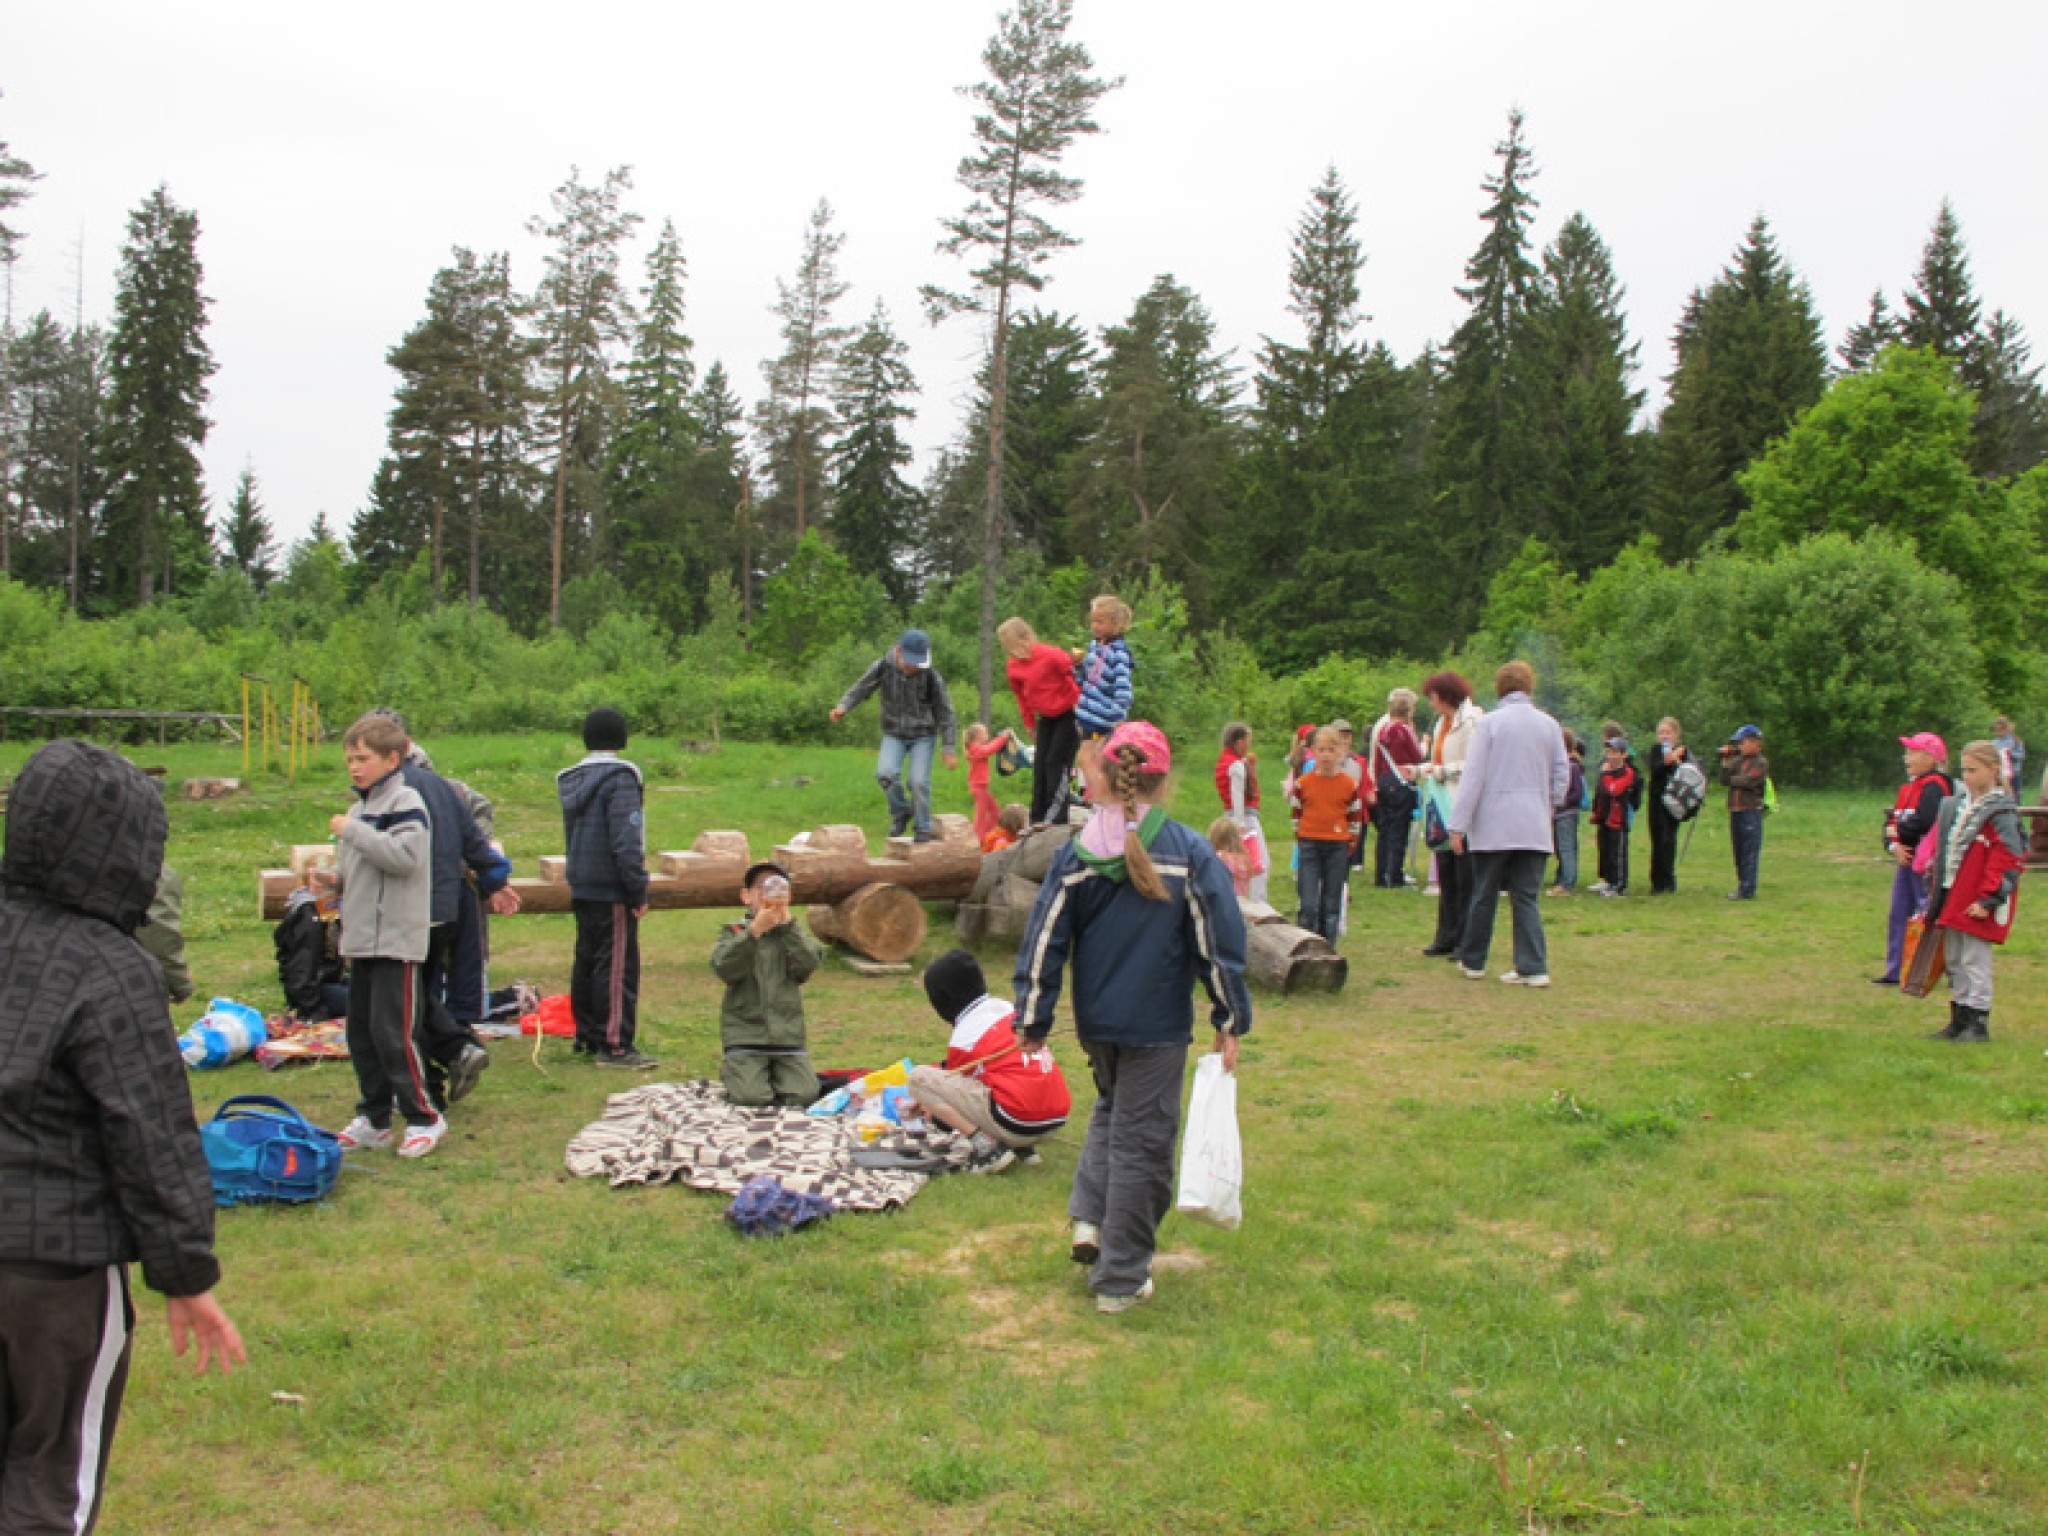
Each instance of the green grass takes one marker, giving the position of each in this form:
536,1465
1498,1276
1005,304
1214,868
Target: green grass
1701,1227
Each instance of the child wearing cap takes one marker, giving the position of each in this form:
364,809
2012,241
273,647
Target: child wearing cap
764,960
1745,770
1979,852
1908,828
990,1088
917,718
1618,781
1144,908
605,825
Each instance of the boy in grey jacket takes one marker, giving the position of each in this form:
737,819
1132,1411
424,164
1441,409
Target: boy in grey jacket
385,871
917,714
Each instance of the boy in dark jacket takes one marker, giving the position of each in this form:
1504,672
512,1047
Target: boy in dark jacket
100,1162
607,840
1746,772
1619,783
917,718
764,960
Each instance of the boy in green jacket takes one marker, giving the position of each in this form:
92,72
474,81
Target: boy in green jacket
763,961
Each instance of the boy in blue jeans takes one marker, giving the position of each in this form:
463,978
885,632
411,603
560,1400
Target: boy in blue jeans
607,841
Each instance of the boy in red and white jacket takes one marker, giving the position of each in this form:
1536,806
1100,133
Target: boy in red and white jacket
1006,1098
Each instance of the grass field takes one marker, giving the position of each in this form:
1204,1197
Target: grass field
1707,1228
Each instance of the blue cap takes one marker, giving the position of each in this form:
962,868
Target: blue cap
916,647
1747,732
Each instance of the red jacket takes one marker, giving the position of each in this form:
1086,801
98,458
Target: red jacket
1027,1095
1229,760
1610,802
1990,870
1044,684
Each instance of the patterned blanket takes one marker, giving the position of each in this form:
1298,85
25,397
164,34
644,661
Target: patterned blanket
691,1133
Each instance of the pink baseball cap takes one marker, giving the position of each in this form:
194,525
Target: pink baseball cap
1154,754
1928,742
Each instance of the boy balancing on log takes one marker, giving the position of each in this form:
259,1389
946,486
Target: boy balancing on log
764,960
1006,1098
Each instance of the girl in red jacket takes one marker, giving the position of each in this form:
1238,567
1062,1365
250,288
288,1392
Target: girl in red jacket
1975,876
1006,1098
1042,678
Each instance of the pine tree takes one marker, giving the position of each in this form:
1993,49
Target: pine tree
157,364
1160,443
795,421
1036,101
1494,456
1941,307
248,542
1877,330
1298,385
721,416
17,176
581,312
875,511
1750,358
1594,501
2010,434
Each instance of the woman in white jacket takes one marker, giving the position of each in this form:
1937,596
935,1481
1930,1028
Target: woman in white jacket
1451,697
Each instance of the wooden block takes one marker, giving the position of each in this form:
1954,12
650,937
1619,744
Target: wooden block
723,845
1257,912
955,831
861,967
554,868
840,837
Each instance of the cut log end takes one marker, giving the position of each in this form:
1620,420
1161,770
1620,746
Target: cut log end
881,921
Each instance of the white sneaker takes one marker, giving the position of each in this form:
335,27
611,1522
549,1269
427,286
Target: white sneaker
1087,1243
1469,974
359,1134
1599,888
422,1139
1517,979
1115,1304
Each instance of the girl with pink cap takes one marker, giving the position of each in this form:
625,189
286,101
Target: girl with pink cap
1909,840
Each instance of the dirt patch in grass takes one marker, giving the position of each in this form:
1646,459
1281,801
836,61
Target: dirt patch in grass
1400,1311
1533,1238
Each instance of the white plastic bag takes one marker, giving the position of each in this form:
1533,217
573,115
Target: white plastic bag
1211,1156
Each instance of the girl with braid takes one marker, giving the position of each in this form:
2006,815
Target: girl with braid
1144,908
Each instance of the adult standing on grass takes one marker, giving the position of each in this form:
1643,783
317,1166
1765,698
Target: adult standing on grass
1042,678
1456,715
1393,756
1908,830
100,1162
1515,773
1144,907
1665,754
1746,772
917,717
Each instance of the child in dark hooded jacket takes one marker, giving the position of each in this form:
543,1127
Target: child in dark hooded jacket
607,843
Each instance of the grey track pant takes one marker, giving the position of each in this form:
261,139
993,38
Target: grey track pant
1969,967
1124,1183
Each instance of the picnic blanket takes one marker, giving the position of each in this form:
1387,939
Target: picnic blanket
691,1133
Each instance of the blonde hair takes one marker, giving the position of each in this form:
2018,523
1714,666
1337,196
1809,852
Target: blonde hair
1677,730
1114,608
1130,783
1986,753
1401,704
1016,636
977,726
377,733
1226,836
1330,734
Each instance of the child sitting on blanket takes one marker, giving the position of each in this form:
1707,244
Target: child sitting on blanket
763,961
1007,1099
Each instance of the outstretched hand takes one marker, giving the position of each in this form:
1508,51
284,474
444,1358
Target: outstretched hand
199,1320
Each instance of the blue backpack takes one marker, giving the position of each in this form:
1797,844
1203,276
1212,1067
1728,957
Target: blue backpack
260,1150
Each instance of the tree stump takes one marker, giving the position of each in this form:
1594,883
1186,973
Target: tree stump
1290,959
881,921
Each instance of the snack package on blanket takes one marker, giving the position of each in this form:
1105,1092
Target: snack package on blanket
228,1032
855,1095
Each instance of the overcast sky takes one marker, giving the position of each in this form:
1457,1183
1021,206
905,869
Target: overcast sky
334,156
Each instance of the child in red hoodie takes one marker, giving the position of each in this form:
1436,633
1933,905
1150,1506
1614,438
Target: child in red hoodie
1610,816
1006,1098
981,751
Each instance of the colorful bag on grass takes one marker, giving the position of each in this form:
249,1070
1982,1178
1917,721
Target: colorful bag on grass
261,1151
228,1032
1924,961
554,1016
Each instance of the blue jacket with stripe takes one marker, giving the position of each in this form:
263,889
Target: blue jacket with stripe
1105,678
1136,961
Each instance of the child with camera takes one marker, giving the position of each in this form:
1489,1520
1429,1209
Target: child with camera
764,960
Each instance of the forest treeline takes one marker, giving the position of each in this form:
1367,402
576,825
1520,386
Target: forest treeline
564,469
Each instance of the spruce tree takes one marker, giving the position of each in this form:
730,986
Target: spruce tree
1037,100
17,176
721,417
1750,358
1941,305
795,420
1494,468
875,511
1869,337
2010,434
155,535
1586,364
581,313
1297,385
248,542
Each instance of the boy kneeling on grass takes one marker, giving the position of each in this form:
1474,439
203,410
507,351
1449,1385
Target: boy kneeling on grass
764,960
1005,1097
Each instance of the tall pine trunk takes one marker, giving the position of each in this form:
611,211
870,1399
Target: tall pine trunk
992,507
561,513
476,514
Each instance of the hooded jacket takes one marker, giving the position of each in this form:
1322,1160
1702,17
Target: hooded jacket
100,1161
1988,872
605,829
384,856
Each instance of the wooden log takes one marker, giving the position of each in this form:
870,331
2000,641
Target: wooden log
1290,959
723,845
2037,835
881,921
1257,912
1015,891
554,868
211,789
970,923
1033,853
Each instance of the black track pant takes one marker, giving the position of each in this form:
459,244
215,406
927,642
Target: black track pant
64,1341
604,983
1052,760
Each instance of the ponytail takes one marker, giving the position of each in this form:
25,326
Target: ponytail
1127,781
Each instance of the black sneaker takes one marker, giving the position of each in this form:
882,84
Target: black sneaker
989,1155
465,1071
898,828
628,1060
